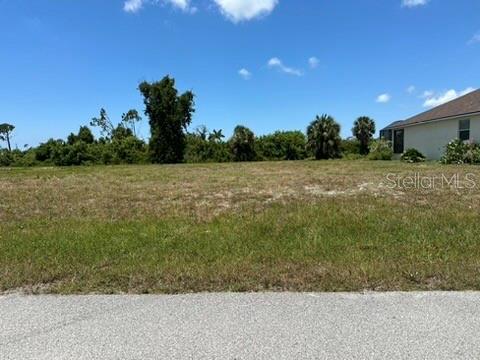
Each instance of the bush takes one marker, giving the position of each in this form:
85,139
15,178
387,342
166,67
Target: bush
380,150
413,156
76,154
128,150
472,155
460,152
350,146
6,157
123,148
282,145
17,158
46,152
201,150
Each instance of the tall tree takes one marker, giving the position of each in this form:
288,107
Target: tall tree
242,144
169,116
324,137
130,118
363,130
6,134
104,123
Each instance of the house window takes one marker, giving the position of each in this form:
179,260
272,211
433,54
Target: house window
464,130
386,135
398,142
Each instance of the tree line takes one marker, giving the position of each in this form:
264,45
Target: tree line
170,115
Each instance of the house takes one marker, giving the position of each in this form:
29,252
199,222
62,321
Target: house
431,131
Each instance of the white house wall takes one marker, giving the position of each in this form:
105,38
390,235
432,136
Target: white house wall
431,138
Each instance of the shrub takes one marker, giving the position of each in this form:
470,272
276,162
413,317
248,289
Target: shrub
46,152
350,146
76,154
380,150
282,145
24,158
413,156
200,150
460,152
128,150
6,157
472,155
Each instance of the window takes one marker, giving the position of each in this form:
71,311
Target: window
386,135
398,142
464,130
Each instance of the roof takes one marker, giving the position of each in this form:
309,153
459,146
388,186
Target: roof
464,105
394,124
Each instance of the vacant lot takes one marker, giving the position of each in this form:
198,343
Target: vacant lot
302,226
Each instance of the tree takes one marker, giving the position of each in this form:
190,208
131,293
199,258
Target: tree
242,144
84,134
169,116
130,118
121,132
363,130
324,137
202,132
6,134
216,136
104,123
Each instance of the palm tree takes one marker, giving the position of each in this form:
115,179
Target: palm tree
363,130
201,131
216,136
324,137
242,144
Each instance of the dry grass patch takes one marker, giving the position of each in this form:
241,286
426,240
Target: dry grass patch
302,226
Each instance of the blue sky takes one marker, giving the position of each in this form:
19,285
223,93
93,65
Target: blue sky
61,61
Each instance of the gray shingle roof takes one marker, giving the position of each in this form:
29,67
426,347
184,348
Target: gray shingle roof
464,105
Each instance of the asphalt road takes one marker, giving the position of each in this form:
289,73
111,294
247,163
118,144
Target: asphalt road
242,326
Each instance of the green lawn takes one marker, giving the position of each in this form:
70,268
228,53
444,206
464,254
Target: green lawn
300,226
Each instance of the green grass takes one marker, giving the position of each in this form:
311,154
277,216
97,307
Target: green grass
299,226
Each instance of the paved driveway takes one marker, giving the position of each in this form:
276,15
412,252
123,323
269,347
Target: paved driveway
242,326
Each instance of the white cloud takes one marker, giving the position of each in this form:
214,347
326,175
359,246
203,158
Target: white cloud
235,10
134,6
277,63
411,89
427,94
181,4
245,74
243,10
433,100
383,98
475,39
313,62
414,3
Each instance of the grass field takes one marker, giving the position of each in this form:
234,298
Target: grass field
300,226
